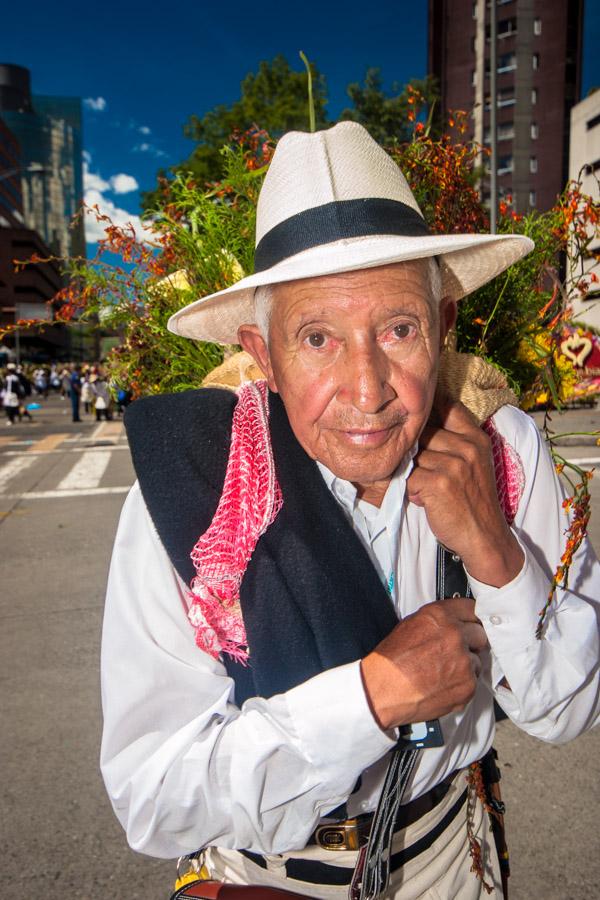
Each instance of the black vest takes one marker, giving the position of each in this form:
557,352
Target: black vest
311,598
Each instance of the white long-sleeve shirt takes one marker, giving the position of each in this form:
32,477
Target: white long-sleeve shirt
185,768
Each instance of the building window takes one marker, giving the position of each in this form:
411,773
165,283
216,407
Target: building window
505,28
533,96
532,198
474,12
535,61
537,26
506,131
535,131
505,165
506,97
533,164
507,62
591,123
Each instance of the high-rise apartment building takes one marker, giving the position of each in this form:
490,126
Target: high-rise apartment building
584,164
538,70
48,130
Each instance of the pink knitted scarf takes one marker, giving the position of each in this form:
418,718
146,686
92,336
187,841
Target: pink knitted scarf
250,502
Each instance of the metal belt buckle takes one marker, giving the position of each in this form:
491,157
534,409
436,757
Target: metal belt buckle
350,834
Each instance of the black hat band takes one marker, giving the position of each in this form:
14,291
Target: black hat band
333,222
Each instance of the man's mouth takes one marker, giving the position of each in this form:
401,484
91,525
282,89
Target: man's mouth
368,437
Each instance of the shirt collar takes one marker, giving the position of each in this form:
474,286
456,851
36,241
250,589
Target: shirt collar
345,493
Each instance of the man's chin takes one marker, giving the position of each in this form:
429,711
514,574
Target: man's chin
364,472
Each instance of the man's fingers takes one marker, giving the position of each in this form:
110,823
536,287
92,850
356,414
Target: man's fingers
477,664
455,416
475,637
441,440
462,608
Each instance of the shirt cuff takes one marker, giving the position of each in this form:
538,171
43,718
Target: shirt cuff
510,613
334,723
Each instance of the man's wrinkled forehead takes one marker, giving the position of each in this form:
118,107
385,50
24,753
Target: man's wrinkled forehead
391,289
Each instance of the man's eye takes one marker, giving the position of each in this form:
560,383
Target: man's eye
316,340
402,330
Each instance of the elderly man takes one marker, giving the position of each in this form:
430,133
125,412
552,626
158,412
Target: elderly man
293,577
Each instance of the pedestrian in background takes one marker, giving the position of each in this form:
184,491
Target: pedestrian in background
65,383
87,394
75,392
40,383
11,393
102,398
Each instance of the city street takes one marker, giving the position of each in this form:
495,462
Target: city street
61,489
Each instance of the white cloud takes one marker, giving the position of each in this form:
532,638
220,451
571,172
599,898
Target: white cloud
97,104
143,129
145,147
123,184
95,191
94,231
92,181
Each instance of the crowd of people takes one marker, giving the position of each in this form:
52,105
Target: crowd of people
85,386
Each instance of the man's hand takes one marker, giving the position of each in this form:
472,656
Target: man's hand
428,666
454,481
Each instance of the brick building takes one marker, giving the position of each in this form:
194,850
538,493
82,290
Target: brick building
585,164
539,50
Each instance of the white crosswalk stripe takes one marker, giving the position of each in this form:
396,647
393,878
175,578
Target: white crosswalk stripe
88,468
87,471
13,468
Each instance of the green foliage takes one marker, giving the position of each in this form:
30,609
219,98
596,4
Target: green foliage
496,320
209,245
276,99
386,117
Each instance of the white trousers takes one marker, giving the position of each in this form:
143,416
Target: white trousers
442,872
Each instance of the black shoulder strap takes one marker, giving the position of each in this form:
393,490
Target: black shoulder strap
451,578
372,872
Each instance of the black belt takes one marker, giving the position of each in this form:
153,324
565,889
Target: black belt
317,872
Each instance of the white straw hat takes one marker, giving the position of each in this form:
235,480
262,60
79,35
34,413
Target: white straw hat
334,201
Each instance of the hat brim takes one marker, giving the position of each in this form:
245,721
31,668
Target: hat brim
467,262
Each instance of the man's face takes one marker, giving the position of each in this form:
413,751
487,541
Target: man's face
354,357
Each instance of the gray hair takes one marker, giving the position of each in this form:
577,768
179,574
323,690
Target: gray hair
264,294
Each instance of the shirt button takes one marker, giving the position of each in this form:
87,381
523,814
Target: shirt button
495,620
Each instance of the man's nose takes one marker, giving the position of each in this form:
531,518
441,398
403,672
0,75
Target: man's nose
364,382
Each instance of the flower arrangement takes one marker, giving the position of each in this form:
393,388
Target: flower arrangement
201,239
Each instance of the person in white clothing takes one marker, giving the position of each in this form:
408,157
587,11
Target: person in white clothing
340,571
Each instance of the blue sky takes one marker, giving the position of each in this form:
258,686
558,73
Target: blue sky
144,68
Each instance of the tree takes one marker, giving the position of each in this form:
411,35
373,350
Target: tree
275,97
386,117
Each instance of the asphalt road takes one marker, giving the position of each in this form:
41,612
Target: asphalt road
61,489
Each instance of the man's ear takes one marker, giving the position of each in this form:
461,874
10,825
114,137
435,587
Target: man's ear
253,343
448,314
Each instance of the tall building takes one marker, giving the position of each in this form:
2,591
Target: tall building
11,199
40,177
48,130
584,163
539,49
